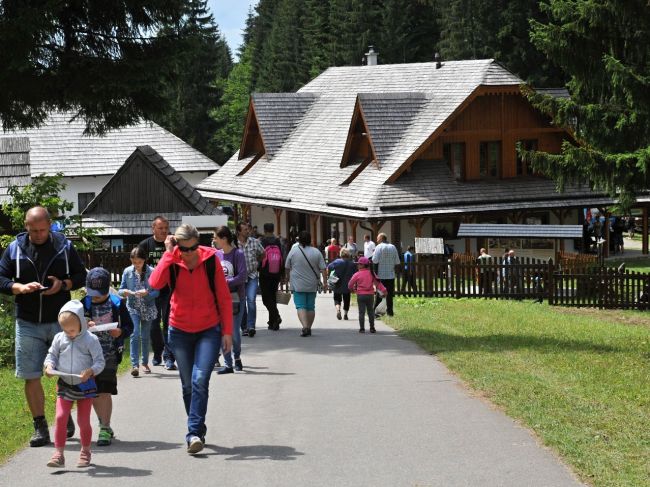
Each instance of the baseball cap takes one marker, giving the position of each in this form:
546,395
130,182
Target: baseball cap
98,282
363,261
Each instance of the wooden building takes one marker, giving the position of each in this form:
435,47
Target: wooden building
14,170
407,149
144,187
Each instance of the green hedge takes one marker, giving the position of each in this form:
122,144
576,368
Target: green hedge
7,331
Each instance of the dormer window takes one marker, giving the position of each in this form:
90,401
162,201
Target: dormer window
454,155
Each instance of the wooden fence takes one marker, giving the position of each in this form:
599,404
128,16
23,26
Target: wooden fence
580,285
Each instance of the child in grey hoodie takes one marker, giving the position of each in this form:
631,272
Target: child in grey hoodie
78,354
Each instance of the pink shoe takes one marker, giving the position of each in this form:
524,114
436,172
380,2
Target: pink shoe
57,460
84,458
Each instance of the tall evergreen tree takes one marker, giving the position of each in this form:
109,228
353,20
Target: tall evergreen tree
604,45
98,59
201,57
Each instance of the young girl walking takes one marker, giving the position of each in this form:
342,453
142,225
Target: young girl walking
76,357
364,282
141,304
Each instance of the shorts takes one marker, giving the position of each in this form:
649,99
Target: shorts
305,301
107,382
33,340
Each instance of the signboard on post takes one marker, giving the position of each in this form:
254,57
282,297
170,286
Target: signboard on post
429,246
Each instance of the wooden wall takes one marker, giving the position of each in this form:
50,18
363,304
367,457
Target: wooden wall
496,117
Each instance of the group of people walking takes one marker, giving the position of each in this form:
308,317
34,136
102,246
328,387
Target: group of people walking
203,296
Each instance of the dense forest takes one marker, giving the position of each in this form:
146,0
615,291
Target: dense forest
289,42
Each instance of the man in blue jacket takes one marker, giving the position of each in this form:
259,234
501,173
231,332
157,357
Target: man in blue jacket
39,267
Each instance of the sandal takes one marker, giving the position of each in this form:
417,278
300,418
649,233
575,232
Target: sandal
84,458
146,369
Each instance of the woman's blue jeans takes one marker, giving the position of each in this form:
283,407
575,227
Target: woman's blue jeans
196,354
236,338
139,344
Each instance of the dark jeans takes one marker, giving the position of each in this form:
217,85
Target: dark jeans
408,280
345,298
269,286
389,284
196,354
159,341
366,305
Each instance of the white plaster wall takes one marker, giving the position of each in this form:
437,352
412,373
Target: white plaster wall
261,215
95,184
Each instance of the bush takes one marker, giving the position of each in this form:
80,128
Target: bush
7,331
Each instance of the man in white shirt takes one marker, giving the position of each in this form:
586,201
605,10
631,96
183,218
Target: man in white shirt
386,257
368,247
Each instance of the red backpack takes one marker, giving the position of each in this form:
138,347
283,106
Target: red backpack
272,260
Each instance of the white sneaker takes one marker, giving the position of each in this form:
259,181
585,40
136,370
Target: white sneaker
195,445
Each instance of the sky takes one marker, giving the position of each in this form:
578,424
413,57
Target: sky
231,15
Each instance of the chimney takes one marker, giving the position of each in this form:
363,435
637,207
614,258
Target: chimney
371,56
438,60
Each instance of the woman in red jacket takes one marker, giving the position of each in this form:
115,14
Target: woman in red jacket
199,321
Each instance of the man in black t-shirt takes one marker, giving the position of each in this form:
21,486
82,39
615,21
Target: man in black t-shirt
269,282
155,248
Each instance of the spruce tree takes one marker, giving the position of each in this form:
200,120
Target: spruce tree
201,57
604,47
102,60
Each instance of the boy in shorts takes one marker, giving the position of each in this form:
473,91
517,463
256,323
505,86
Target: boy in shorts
101,307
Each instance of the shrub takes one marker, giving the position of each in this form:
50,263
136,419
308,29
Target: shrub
7,331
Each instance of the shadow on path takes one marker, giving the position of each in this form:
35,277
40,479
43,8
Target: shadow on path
254,452
106,472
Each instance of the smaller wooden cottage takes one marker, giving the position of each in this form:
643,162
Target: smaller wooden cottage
144,187
14,169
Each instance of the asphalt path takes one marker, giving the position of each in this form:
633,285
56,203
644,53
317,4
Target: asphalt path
335,409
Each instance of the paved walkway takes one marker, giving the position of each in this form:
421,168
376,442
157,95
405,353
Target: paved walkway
336,409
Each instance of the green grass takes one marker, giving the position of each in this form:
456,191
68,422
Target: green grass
641,264
578,378
16,426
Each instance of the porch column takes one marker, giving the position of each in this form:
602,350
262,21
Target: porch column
376,226
468,241
278,221
353,228
561,218
313,220
644,236
418,223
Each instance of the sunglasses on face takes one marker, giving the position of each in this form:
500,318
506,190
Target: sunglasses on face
188,249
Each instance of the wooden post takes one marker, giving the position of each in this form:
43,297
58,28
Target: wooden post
607,235
376,226
353,228
418,223
278,221
644,236
561,223
313,219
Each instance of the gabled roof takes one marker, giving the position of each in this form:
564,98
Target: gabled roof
308,166
14,164
494,230
278,114
388,117
60,146
167,180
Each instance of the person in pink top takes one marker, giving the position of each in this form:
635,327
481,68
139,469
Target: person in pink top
364,282
200,320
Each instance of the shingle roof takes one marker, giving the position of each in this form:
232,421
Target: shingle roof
522,231
278,114
60,146
554,92
117,225
14,164
306,174
388,117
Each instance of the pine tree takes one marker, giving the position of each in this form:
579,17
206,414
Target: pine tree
98,59
604,46
201,57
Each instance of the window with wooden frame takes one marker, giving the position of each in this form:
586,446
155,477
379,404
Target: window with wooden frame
524,168
454,154
490,159
83,200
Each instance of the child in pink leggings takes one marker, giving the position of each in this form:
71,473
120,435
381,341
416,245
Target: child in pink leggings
75,357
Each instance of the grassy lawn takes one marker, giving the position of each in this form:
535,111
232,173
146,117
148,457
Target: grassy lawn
16,427
641,264
579,378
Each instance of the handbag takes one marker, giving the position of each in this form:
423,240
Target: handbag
332,279
319,288
282,297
